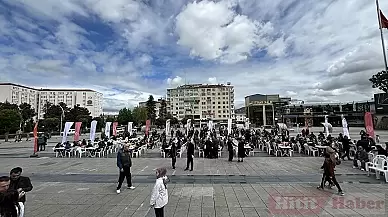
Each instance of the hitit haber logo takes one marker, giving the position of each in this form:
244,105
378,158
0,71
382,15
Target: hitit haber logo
361,203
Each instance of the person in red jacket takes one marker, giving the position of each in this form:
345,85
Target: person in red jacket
328,174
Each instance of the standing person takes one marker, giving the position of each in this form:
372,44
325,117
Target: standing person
190,155
19,183
124,163
230,148
241,150
328,168
4,184
346,146
173,153
159,195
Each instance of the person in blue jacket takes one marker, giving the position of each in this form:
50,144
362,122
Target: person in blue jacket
124,164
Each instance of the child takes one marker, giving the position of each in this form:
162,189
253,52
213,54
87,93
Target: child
159,196
328,174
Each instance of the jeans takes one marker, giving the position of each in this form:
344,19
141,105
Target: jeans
159,212
125,174
333,179
173,159
231,155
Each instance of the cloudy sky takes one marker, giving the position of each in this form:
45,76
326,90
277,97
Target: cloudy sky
128,49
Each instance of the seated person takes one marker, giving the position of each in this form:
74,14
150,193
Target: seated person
361,156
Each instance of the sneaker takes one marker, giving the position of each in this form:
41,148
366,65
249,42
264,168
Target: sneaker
132,187
362,169
118,191
341,193
319,188
354,167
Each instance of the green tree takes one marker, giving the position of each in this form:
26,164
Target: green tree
79,114
139,115
9,121
27,113
173,120
380,81
151,112
125,116
49,124
163,109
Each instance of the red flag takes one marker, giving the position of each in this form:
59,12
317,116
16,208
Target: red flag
77,130
115,128
383,21
36,137
369,124
148,124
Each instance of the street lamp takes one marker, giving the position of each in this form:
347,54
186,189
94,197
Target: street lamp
62,115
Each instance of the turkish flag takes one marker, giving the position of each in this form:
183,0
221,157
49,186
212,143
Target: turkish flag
36,137
77,130
383,21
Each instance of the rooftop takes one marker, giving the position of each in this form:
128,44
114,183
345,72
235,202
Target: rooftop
328,103
47,89
193,86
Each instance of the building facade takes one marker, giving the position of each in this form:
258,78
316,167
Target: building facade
313,114
37,98
202,102
157,106
240,115
262,109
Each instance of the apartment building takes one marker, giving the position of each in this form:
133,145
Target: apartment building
157,106
37,98
202,102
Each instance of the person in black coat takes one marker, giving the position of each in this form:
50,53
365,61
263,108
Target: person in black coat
190,155
230,148
241,150
20,183
346,146
173,154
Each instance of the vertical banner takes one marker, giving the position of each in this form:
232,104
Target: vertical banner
168,127
229,126
188,125
345,127
77,130
210,125
246,123
148,125
369,124
36,137
115,128
326,126
130,125
297,128
93,127
107,129
66,130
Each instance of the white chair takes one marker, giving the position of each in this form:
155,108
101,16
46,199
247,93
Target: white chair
313,151
80,151
219,151
179,152
277,151
135,153
380,166
200,151
100,152
369,166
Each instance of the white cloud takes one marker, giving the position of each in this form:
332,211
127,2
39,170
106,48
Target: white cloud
212,30
174,82
212,80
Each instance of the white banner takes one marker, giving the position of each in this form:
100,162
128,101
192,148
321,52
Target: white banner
130,125
229,126
107,129
326,126
297,129
188,125
246,123
93,127
66,130
345,128
210,125
168,130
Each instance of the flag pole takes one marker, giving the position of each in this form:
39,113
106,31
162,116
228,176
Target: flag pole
381,35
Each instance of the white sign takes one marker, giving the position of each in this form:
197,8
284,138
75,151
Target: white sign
130,125
107,129
345,127
93,127
326,126
66,130
229,126
168,128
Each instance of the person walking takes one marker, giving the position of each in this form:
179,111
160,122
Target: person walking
328,174
173,154
190,155
124,164
241,150
21,184
230,148
159,195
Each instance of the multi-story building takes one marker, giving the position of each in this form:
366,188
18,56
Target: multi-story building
261,109
202,102
240,115
157,106
37,98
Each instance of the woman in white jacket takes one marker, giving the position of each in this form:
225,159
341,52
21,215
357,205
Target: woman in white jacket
159,196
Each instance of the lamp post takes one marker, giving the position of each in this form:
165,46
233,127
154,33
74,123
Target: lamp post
62,115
